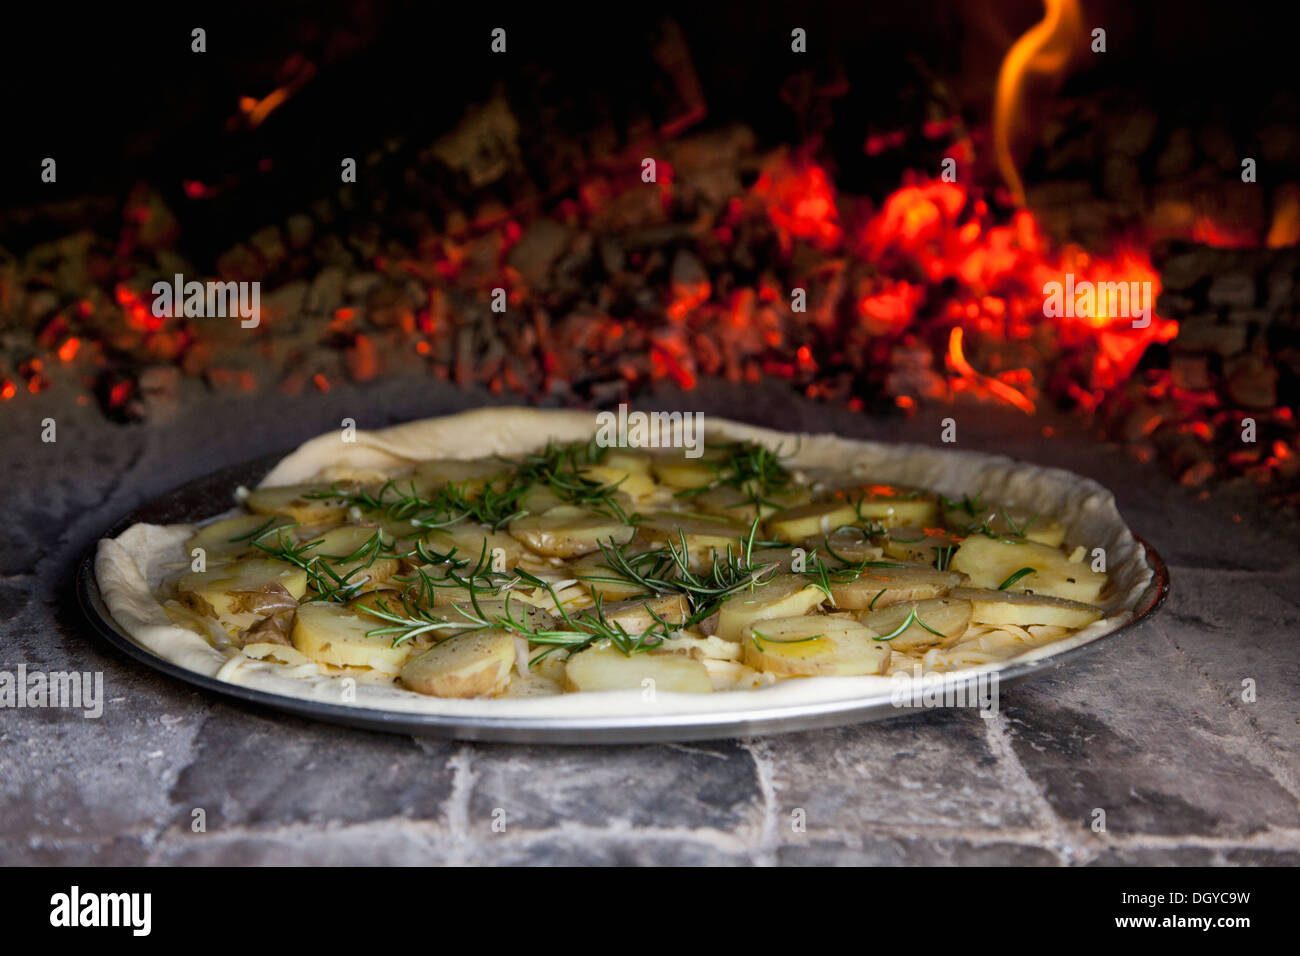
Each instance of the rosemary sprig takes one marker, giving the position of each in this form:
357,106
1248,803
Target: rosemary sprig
501,500
755,469
447,506
756,637
820,575
256,532
668,568
859,499
867,533
559,467
851,572
328,584
912,618
967,504
648,570
1014,578
943,555
414,622
586,628
477,579
726,576
974,509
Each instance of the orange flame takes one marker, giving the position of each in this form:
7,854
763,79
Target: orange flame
1045,49
957,360
258,110
1285,228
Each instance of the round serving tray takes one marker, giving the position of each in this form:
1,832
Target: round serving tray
193,501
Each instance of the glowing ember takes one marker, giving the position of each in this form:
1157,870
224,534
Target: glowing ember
996,278
118,394
891,310
937,290
197,190
801,203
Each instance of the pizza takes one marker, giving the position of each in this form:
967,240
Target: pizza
509,554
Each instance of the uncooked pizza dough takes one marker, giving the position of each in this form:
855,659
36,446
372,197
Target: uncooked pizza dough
131,568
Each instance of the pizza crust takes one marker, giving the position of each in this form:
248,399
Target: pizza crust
130,567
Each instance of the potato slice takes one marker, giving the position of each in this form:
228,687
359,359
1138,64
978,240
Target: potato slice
706,535
893,505
637,485
968,519
493,609
880,587
599,578
218,539
568,531
992,561
634,615
784,595
354,554
948,616
817,519
449,593
338,636
1019,608
400,531
241,593
385,600
814,645
746,504
472,664
780,560
674,469
292,500
851,544
471,476
608,668
921,545
540,498
460,616
627,459
469,540
429,584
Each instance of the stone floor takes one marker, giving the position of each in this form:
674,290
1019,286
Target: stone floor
1152,729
